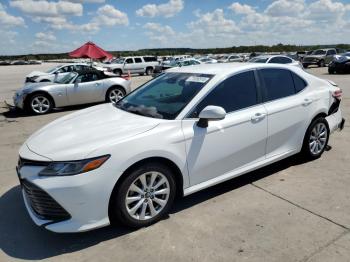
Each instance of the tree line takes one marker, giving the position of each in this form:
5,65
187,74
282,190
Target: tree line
182,51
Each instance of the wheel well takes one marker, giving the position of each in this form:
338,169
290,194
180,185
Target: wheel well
118,70
324,115
165,161
37,93
149,67
115,86
44,80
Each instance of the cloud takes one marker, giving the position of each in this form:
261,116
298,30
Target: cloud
87,1
110,16
241,9
168,9
7,20
158,28
281,8
45,36
43,8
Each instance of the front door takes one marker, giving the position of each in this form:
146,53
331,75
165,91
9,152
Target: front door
87,89
234,142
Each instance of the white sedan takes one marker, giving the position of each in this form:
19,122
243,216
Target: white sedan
186,130
276,59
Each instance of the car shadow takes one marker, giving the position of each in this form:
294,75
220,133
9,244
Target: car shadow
21,239
13,112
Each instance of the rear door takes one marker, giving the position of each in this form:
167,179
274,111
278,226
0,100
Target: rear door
288,110
129,65
232,143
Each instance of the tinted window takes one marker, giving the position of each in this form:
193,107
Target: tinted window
88,77
138,60
331,52
299,83
129,61
280,60
278,82
234,93
150,59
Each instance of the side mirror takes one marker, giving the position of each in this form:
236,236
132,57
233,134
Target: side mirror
210,113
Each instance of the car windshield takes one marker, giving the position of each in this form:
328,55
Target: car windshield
118,61
50,71
319,52
258,60
67,78
165,96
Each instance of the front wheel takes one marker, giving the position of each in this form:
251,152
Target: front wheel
39,104
149,71
144,196
316,139
321,63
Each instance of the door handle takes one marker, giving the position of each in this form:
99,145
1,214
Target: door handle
258,116
307,101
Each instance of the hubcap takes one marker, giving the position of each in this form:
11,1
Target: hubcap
318,138
115,95
40,104
147,195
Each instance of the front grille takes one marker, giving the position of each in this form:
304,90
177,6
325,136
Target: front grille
44,206
26,162
309,59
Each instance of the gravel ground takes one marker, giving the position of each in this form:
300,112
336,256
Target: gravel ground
289,211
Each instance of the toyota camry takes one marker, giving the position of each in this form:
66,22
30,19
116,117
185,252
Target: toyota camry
186,130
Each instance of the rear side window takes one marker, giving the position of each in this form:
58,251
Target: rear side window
129,61
278,83
299,83
150,59
234,93
138,60
280,60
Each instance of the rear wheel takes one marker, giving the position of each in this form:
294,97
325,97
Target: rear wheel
321,63
316,139
114,94
149,71
144,196
39,104
331,71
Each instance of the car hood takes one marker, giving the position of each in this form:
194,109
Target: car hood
37,73
75,136
34,86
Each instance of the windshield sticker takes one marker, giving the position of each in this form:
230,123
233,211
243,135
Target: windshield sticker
197,79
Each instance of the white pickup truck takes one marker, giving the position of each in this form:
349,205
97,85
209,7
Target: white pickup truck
133,65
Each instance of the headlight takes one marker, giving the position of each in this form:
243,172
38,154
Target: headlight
71,168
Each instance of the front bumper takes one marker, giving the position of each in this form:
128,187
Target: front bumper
84,197
18,100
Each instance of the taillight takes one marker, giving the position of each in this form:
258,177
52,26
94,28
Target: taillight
338,94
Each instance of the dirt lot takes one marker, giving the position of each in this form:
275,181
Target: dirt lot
290,211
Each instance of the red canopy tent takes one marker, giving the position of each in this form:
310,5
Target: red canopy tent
90,50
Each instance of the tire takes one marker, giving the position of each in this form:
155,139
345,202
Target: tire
118,72
149,71
313,150
146,208
331,71
39,104
321,63
114,94
305,65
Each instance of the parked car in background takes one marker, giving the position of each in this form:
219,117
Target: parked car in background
319,57
82,87
179,63
208,60
275,59
133,65
55,73
5,63
340,64
230,59
20,62
191,128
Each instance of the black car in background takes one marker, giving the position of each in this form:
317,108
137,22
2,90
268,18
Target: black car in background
340,64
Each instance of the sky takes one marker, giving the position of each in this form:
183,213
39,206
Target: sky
50,26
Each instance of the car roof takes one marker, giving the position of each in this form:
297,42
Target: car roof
225,69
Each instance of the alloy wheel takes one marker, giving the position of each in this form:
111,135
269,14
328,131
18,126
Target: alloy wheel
147,196
115,95
318,138
40,104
